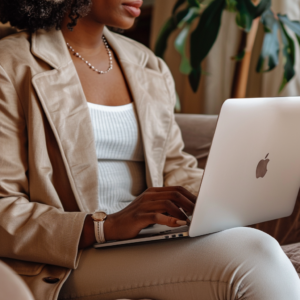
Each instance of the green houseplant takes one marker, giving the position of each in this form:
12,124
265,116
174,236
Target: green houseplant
208,14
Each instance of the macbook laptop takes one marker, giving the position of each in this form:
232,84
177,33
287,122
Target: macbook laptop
252,173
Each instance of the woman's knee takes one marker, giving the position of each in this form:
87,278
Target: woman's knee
260,243
251,247
265,272
252,239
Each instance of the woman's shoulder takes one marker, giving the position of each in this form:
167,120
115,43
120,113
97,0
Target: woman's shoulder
152,62
13,42
134,48
14,48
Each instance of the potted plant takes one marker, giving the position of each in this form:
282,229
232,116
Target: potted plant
208,13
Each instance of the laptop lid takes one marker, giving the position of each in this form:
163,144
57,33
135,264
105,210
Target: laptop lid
253,169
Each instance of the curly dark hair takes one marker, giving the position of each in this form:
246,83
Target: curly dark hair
42,14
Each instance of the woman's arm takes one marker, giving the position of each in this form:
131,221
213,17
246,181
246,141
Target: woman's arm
180,168
30,231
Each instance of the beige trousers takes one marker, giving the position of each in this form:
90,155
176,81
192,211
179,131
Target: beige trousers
240,263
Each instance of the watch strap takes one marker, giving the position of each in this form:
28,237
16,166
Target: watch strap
99,231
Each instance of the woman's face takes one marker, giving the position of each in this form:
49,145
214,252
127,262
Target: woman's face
115,13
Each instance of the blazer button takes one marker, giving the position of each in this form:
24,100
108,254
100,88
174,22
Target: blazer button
51,280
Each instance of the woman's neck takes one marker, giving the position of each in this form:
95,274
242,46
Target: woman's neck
86,36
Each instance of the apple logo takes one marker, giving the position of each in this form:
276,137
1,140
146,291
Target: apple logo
261,169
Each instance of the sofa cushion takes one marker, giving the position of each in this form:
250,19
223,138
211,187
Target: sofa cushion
293,253
197,134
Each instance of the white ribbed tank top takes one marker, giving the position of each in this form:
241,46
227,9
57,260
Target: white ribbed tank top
119,148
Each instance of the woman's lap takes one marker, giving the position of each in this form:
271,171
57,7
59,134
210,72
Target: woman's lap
240,263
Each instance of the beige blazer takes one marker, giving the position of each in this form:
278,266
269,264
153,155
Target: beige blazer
48,163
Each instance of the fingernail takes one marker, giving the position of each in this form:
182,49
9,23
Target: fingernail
179,222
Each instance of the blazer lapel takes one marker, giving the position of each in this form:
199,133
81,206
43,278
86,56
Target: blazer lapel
154,115
64,103
151,97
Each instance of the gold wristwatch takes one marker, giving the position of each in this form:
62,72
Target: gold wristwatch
99,218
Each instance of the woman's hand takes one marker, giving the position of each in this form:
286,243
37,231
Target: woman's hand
149,208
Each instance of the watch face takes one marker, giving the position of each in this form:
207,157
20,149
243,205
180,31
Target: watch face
99,216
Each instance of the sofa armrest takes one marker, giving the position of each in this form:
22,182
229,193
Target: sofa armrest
197,133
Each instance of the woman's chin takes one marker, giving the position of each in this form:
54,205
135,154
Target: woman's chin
125,23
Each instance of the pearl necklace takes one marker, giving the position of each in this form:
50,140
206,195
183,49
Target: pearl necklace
90,65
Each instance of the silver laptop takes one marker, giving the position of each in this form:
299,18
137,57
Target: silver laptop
252,174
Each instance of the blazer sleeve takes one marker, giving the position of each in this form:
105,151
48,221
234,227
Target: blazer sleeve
29,231
180,168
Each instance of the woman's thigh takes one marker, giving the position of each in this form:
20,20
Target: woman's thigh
240,263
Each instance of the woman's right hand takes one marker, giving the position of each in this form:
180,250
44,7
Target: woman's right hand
149,208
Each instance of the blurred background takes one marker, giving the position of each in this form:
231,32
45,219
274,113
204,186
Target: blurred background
223,77
222,72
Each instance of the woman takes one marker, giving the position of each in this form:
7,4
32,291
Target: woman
87,124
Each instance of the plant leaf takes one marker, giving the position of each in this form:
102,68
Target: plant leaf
195,3
247,12
190,17
206,32
161,43
168,28
194,78
244,18
260,8
268,19
180,42
203,38
289,56
293,25
177,5
267,30
231,5
239,56
270,48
